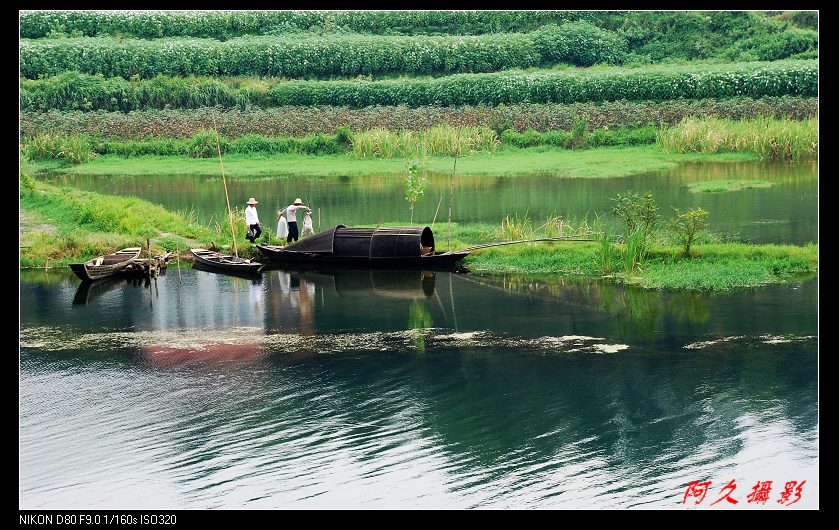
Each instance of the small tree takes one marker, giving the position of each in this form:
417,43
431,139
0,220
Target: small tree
414,186
636,211
688,225
639,214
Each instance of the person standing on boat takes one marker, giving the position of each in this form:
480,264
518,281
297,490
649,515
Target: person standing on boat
291,214
252,220
282,226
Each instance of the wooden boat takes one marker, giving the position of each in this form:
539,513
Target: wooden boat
105,266
219,262
389,248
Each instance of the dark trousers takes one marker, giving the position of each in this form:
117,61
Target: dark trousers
257,231
293,234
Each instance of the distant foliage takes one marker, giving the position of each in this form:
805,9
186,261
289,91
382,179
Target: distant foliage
224,25
648,35
304,56
775,46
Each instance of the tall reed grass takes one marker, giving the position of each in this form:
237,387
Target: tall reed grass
442,140
769,137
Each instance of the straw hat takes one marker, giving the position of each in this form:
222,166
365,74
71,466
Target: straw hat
298,201
252,201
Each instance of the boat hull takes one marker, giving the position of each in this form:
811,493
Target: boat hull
112,264
437,261
223,263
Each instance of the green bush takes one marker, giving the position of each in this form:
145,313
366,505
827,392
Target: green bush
581,44
776,46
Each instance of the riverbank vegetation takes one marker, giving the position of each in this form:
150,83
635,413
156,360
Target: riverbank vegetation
63,225
767,138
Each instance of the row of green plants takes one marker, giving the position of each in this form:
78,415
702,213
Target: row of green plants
226,24
319,57
654,35
81,148
579,137
303,121
74,91
374,143
770,138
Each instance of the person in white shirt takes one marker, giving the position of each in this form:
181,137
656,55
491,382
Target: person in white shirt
252,220
291,215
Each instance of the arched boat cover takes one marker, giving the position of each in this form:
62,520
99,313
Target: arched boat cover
370,243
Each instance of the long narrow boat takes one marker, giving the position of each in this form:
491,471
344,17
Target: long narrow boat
223,262
388,248
105,266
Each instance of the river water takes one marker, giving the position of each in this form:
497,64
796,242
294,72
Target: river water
786,212
411,389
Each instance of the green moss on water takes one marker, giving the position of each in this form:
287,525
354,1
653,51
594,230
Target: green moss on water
605,162
718,186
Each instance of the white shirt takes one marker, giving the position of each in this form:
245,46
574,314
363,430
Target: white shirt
291,212
250,216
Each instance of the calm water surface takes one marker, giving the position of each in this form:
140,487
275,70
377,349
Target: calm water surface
787,212
383,389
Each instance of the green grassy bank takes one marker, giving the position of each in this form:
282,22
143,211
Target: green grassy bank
63,225
596,163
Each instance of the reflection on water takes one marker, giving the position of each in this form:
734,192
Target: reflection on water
785,212
414,389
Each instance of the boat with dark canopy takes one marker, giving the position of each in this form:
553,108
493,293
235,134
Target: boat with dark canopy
389,248
105,266
218,262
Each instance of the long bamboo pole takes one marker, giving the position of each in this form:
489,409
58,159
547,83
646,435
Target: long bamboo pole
437,211
451,192
226,196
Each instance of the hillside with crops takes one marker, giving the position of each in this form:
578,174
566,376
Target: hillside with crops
132,75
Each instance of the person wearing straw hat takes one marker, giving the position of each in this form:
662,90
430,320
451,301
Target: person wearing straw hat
291,215
252,220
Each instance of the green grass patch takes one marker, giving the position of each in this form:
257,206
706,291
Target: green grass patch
592,163
714,267
718,186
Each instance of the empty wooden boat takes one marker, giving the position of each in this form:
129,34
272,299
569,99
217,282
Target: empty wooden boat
223,262
105,266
